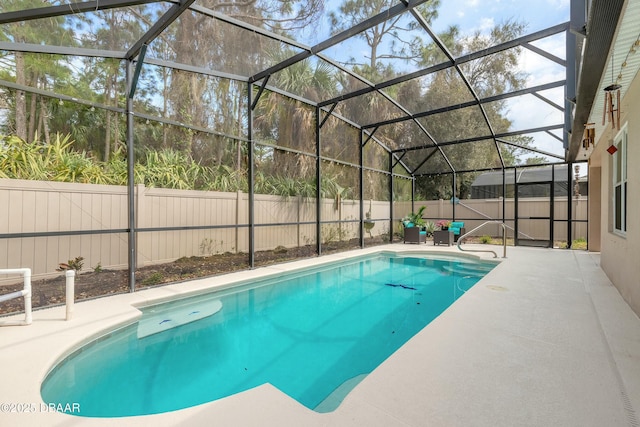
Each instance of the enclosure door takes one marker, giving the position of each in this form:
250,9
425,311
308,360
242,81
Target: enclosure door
533,214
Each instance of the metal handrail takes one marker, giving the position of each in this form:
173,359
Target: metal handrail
504,239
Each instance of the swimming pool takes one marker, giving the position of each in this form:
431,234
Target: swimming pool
313,334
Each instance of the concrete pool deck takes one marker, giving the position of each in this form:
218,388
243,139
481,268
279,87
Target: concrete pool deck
543,340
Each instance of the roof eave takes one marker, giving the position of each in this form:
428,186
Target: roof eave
602,26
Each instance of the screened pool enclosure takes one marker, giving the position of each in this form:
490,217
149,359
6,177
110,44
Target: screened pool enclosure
138,132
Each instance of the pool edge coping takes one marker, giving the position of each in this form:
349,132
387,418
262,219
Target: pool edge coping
126,311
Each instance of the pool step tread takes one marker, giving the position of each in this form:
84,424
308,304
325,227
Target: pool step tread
333,400
468,269
154,323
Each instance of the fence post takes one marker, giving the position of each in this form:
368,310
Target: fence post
239,217
298,219
140,223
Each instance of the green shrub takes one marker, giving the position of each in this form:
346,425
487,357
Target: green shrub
485,240
164,168
154,279
73,264
579,243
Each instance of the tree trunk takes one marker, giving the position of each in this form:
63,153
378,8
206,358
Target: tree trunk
44,113
107,126
32,117
165,95
40,125
107,137
116,123
21,102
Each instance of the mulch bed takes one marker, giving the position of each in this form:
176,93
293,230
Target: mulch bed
93,284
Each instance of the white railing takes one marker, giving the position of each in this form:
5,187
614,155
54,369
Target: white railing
25,292
70,292
504,239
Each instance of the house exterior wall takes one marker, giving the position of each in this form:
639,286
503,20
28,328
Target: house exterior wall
619,253
595,203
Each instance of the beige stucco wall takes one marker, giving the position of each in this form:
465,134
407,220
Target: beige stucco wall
620,254
595,202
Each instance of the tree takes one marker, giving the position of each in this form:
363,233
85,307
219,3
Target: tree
489,75
31,112
393,39
392,31
289,123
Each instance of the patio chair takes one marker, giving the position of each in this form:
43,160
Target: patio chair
457,227
414,235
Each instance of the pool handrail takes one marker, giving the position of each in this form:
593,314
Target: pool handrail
25,292
504,239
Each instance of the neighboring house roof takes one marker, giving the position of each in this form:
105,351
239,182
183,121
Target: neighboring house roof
528,175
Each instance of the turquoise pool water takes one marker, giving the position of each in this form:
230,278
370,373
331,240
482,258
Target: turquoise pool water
314,335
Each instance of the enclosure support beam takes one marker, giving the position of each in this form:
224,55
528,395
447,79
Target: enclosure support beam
571,72
369,137
453,192
535,150
515,206
327,115
131,182
569,205
250,173
59,96
457,61
391,197
62,50
398,159
504,204
426,159
340,37
553,135
413,194
490,169
318,185
136,74
480,138
544,53
160,25
361,189
459,106
466,81
259,94
552,200
68,9
548,101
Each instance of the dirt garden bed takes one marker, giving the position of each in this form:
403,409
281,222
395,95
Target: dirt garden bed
93,284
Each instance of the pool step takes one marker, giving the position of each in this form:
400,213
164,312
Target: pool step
331,402
154,322
474,270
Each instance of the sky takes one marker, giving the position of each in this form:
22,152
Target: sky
482,15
